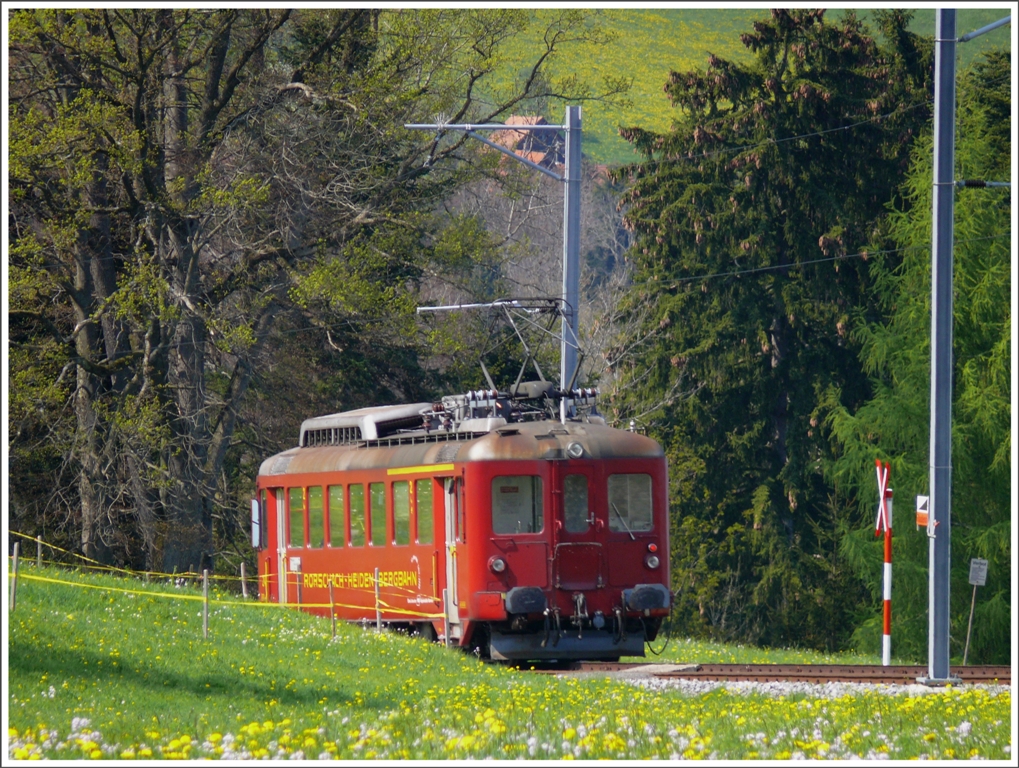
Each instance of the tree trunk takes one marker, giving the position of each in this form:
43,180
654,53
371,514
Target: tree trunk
98,343
189,534
96,526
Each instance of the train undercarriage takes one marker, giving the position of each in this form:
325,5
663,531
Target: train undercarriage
521,639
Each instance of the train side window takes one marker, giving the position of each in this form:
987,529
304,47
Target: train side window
357,515
630,503
296,512
337,517
575,503
401,512
263,517
517,504
316,517
377,502
424,502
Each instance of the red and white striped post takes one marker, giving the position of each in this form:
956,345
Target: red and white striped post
884,521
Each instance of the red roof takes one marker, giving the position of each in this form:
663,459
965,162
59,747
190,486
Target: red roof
541,147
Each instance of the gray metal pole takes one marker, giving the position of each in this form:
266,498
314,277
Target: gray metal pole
940,527
571,248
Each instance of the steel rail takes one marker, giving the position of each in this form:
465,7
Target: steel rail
782,673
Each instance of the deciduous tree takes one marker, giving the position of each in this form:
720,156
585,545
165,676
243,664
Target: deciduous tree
187,184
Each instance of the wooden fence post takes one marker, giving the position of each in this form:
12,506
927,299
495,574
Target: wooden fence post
38,551
244,582
14,580
205,602
378,608
332,607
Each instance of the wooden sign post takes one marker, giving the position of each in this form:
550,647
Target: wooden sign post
205,603
14,581
977,577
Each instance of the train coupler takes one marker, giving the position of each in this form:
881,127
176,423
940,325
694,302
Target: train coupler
558,626
620,624
579,613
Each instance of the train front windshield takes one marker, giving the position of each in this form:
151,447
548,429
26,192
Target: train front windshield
517,504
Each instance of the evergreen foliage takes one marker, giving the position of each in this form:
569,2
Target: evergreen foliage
893,423
773,165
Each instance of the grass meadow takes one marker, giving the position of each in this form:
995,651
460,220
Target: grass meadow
651,42
112,668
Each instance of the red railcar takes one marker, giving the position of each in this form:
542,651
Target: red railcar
523,538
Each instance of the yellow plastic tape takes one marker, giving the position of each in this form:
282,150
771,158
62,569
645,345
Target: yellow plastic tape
212,601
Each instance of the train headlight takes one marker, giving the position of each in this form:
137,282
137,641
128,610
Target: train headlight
575,450
651,561
497,564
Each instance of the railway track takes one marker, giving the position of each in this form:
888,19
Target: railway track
781,673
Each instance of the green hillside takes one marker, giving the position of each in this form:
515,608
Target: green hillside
650,43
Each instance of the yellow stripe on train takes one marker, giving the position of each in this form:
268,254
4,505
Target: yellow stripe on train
430,468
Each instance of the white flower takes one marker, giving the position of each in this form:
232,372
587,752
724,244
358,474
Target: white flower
964,728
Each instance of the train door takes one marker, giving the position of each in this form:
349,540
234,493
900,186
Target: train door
577,561
281,546
451,596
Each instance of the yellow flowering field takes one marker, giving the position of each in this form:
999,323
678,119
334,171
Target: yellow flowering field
108,668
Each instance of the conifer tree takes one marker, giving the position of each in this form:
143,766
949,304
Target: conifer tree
893,424
770,179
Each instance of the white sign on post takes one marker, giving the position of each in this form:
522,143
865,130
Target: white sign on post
922,511
977,572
